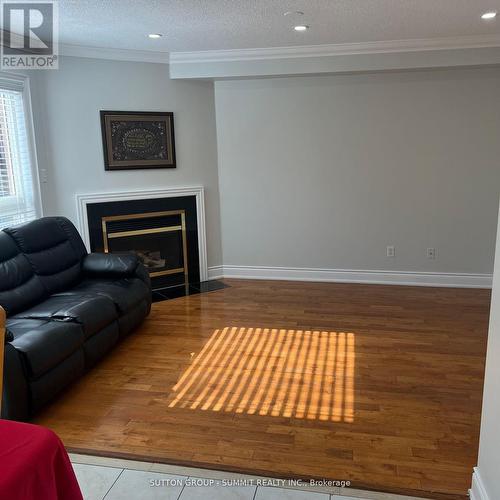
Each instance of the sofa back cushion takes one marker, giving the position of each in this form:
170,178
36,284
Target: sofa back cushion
53,248
20,288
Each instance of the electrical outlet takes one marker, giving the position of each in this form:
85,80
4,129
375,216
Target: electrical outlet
391,251
431,253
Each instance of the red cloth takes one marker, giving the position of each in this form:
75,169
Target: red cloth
34,465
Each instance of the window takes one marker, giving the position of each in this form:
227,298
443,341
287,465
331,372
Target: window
19,190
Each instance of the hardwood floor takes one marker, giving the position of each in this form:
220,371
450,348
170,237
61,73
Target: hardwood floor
379,385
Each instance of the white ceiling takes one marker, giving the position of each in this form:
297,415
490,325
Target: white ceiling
194,25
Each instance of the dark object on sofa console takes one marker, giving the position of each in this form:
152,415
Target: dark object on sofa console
65,309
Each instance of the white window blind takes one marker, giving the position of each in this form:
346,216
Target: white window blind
18,182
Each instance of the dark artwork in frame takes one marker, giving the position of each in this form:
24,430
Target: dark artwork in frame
138,140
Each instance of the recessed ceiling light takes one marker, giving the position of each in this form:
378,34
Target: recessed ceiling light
301,27
293,13
155,35
489,15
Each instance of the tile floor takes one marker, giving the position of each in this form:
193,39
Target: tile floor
114,479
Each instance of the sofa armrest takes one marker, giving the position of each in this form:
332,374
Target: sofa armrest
106,265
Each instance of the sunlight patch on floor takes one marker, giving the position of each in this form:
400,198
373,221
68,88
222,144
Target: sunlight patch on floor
266,371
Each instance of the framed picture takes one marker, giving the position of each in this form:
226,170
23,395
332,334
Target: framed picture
133,139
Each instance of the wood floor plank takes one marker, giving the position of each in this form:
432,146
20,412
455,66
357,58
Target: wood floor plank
379,385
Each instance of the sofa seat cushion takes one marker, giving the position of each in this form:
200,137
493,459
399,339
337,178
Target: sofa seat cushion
44,344
126,293
92,311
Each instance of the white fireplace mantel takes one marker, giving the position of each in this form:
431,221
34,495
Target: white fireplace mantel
82,200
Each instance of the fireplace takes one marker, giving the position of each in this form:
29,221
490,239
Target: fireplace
159,239
163,231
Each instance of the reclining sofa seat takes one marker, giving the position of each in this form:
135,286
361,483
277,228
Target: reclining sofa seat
65,309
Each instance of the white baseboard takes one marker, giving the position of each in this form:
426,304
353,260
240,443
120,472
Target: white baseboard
215,272
478,491
457,280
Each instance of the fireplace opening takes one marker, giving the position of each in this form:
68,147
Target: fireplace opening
159,239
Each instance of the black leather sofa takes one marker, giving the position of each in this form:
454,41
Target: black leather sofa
65,309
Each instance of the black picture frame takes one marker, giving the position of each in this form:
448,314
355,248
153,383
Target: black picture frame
152,134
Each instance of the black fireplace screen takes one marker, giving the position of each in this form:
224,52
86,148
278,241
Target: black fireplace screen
157,238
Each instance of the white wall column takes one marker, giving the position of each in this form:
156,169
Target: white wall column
486,478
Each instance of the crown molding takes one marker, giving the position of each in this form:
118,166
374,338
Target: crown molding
270,53
301,51
475,50
328,60
147,56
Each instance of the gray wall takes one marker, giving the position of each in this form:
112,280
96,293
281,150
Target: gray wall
66,106
325,172
316,172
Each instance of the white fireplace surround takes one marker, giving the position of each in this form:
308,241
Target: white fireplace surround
82,200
